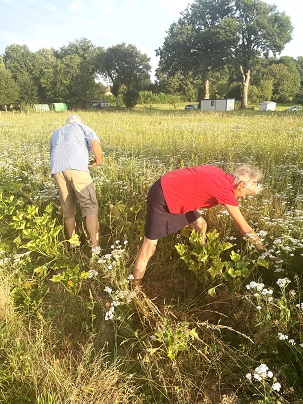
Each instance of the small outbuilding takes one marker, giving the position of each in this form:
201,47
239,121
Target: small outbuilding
96,104
267,106
41,107
226,104
59,107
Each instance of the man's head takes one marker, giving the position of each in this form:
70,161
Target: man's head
73,119
246,181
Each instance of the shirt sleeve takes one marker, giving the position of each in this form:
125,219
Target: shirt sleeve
90,135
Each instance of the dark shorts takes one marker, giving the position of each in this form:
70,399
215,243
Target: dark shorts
159,221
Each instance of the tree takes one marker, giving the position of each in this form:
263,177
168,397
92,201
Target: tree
285,83
125,68
84,81
299,65
58,80
130,98
22,64
27,90
211,34
19,60
201,41
262,31
178,84
276,79
44,60
9,90
262,91
292,82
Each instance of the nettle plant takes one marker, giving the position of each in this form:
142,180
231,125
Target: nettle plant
212,258
174,338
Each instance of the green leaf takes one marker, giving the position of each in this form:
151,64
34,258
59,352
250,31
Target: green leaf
42,270
235,256
57,278
262,262
216,270
212,291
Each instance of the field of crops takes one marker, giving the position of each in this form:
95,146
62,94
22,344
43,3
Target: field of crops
214,324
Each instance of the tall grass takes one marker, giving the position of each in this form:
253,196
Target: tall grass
72,329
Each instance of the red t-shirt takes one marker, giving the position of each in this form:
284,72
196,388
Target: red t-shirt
197,187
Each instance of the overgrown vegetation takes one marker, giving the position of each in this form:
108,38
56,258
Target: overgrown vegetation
213,324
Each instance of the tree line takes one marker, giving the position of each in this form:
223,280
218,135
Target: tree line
71,73
217,49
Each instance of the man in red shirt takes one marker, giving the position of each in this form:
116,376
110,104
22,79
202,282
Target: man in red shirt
173,202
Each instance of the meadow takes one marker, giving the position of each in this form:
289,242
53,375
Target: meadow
214,324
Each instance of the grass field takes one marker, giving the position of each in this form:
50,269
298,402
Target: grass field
214,324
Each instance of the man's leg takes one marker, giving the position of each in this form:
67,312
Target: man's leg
67,201
70,224
146,251
92,226
200,226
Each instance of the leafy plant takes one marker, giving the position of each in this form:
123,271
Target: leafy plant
72,279
38,232
174,337
207,258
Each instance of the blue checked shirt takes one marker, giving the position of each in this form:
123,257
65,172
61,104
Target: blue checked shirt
70,148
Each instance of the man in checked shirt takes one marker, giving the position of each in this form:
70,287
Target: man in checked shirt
70,148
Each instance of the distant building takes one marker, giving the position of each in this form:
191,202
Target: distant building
59,107
227,104
41,107
267,106
96,104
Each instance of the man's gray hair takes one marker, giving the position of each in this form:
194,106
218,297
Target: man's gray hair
250,176
73,119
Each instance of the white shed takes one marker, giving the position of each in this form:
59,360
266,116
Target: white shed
267,106
227,104
41,107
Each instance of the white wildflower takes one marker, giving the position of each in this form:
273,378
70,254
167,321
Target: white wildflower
276,386
282,282
282,337
92,273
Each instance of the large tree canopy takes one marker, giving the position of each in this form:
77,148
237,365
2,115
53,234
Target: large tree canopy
124,66
201,39
213,33
83,73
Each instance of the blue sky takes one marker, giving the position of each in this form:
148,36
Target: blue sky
45,24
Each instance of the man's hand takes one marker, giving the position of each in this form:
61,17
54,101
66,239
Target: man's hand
94,164
254,239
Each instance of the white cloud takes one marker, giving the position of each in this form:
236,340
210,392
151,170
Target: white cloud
75,5
50,7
